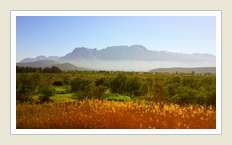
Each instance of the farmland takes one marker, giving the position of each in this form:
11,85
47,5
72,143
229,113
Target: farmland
117,100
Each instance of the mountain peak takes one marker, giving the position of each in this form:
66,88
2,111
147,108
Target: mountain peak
41,57
77,48
139,47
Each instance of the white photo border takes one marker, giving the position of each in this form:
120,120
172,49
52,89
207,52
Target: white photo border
216,131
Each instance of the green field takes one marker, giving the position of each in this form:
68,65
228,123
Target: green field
72,86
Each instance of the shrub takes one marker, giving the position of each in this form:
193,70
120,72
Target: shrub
187,95
99,92
174,99
81,95
104,81
57,83
46,91
118,84
81,84
133,86
66,80
23,97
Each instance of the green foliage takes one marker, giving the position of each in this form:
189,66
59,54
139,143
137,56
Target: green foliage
176,80
158,91
170,90
57,83
117,97
81,95
61,90
187,95
81,84
174,99
26,84
86,85
104,81
22,69
62,98
134,86
192,82
119,84
98,92
131,86
66,80
144,89
36,78
46,92
23,97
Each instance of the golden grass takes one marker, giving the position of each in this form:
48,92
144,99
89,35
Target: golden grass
96,114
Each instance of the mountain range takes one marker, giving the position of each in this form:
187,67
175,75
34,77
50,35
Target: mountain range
134,58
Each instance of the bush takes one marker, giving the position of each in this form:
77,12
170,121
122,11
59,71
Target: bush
133,86
25,85
99,92
119,83
104,81
81,95
67,89
187,95
57,83
81,84
174,99
66,80
46,91
23,97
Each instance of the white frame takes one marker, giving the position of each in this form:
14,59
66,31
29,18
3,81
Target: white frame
116,131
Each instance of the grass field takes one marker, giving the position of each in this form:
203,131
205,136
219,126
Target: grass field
103,114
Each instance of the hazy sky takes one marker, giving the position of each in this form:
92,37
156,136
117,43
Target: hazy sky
57,36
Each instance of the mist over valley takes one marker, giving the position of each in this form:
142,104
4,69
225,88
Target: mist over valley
127,58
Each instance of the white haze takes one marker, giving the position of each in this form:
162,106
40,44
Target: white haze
127,65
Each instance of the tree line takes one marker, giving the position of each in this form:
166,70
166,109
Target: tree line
53,69
169,89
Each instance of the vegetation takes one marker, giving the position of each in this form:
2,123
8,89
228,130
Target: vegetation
96,114
46,92
114,99
53,69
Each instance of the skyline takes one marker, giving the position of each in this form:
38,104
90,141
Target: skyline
57,35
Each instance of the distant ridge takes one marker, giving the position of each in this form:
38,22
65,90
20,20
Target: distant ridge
40,63
41,57
50,63
69,66
119,53
130,58
186,70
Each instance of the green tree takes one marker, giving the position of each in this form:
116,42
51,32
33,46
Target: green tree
36,80
98,92
193,73
66,81
150,85
81,84
103,81
133,86
46,92
119,83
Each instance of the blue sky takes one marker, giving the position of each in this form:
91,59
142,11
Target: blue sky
57,36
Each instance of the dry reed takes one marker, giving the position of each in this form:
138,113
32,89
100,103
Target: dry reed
97,114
